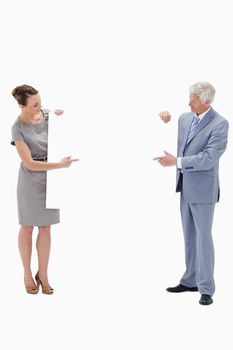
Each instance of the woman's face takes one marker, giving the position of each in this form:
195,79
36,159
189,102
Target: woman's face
33,105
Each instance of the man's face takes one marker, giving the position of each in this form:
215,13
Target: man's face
196,105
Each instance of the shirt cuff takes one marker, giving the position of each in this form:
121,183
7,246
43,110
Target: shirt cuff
178,163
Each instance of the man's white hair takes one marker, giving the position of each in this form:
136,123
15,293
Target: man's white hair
204,90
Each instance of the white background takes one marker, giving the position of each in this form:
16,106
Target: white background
113,65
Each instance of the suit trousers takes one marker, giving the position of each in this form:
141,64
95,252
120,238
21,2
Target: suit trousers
197,222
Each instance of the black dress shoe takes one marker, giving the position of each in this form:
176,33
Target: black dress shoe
181,288
206,299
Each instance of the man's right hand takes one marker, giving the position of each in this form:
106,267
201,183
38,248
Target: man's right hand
165,116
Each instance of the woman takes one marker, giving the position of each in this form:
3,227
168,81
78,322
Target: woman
30,136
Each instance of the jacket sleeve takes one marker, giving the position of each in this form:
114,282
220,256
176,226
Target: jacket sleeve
211,153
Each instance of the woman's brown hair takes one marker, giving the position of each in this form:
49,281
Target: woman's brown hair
22,92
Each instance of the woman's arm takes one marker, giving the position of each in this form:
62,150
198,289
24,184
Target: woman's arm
35,165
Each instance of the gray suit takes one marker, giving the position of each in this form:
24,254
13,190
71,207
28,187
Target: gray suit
198,182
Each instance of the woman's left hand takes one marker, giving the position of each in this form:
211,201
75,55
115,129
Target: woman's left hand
58,111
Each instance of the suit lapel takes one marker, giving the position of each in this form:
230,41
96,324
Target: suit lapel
205,121
188,122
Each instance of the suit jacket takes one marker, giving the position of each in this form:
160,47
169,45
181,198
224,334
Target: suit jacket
199,178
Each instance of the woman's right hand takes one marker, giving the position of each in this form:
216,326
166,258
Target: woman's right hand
67,161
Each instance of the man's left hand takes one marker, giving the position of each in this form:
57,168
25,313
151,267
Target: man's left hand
167,160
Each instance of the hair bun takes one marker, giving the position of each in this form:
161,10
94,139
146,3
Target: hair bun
16,91
22,92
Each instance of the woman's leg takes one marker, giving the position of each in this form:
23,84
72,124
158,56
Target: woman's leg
43,249
25,249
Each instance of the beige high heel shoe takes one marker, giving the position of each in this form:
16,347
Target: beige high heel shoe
48,290
31,290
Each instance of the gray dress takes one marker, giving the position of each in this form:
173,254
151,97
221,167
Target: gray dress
31,188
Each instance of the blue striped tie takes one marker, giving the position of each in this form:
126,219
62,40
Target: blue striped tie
194,125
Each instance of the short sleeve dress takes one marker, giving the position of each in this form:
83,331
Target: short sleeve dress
31,188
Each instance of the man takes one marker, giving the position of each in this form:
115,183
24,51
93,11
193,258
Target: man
202,139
